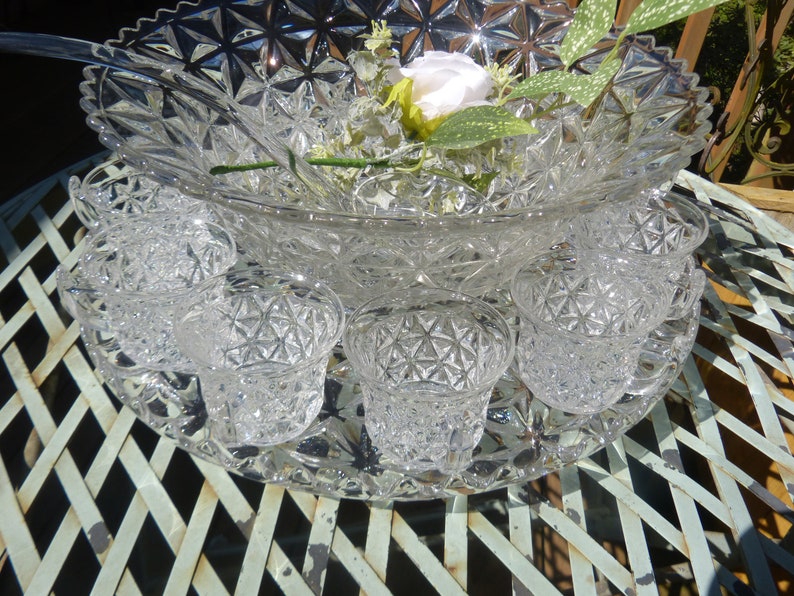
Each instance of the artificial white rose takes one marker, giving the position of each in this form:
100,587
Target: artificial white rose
445,82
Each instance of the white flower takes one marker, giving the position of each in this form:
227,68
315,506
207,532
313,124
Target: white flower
365,65
445,82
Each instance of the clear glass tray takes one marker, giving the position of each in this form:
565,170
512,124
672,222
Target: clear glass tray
260,53
524,439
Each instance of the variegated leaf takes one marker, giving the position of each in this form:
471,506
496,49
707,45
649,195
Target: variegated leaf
592,21
651,14
583,89
477,125
540,84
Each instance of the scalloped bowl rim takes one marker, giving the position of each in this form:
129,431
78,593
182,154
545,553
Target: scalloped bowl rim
231,198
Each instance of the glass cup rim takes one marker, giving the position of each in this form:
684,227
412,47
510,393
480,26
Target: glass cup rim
113,287
413,295
313,284
656,304
101,176
690,211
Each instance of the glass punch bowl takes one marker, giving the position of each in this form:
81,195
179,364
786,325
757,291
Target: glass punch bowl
284,62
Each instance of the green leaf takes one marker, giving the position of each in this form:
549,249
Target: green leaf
399,92
582,88
592,21
477,125
541,84
480,182
651,14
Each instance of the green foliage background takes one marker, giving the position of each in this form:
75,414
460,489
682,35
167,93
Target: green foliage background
721,59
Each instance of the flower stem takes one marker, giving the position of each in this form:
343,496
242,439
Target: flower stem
410,168
556,105
339,162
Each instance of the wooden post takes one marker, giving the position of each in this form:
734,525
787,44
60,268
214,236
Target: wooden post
691,42
625,8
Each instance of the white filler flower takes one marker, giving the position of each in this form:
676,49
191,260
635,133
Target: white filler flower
445,82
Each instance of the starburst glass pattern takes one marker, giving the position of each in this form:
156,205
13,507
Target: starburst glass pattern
582,331
144,267
112,191
285,61
427,360
159,254
335,455
662,226
650,239
261,340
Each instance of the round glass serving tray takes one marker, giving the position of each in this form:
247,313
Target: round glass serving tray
277,58
524,439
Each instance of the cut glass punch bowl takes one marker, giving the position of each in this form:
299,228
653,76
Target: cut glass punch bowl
284,61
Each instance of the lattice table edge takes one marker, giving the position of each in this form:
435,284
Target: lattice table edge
92,499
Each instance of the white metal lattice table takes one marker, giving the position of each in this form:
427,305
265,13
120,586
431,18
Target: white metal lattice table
698,494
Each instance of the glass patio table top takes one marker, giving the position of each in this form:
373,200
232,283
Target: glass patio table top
698,494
